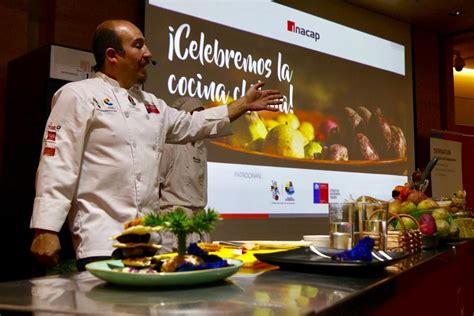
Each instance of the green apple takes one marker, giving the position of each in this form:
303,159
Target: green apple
440,213
312,148
427,204
408,223
407,207
443,228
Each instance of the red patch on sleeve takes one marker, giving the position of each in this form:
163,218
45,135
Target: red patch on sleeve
51,136
49,151
151,108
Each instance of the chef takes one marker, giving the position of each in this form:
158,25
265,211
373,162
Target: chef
102,145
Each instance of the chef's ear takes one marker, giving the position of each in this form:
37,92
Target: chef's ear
113,55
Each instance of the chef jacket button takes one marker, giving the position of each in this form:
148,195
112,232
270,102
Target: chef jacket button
153,147
139,177
147,117
134,145
127,114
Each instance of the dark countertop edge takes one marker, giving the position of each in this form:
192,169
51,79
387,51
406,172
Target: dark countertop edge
446,250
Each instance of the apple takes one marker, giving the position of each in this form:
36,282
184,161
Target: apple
427,224
427,204
407,207
408,223
443,228
440,213
404,193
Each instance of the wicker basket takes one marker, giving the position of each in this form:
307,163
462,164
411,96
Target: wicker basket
376,234
408,240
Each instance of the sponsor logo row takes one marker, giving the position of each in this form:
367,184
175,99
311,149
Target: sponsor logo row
284,193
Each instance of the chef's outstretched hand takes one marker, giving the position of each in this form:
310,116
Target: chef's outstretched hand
256,99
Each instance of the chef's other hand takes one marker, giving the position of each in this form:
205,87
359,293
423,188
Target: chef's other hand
45,247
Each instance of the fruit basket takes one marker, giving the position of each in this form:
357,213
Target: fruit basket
409,240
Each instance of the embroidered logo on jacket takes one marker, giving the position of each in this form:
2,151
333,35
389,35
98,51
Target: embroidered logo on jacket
108,102
132,101
151,108
107,106
51,136
49,151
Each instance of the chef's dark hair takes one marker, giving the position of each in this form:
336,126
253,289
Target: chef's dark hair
104,38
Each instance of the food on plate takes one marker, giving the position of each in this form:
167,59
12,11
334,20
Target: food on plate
138,253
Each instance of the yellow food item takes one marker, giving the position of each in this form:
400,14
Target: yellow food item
134,222
136,245
289,119
209,247
269,124
466,227
284,141
307,129
246,129
311,149
138,230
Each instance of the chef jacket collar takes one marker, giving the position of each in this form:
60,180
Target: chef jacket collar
114,83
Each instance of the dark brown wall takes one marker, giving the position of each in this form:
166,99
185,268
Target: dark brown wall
29,24
427,91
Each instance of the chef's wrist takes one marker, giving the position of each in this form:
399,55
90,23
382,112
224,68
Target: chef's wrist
39,231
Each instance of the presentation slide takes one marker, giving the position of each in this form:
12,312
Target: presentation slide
345,128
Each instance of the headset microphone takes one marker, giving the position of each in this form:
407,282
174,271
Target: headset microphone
153,62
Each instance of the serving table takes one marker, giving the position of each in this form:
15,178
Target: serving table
434,282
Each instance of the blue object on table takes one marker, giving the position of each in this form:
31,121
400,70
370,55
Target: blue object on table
210,261
361,251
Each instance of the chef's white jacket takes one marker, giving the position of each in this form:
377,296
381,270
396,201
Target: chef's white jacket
100,158
183,175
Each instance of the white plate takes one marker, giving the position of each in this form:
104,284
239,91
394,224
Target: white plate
102,270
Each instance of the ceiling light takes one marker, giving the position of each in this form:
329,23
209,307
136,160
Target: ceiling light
456,13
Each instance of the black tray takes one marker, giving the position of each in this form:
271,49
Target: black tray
303,259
